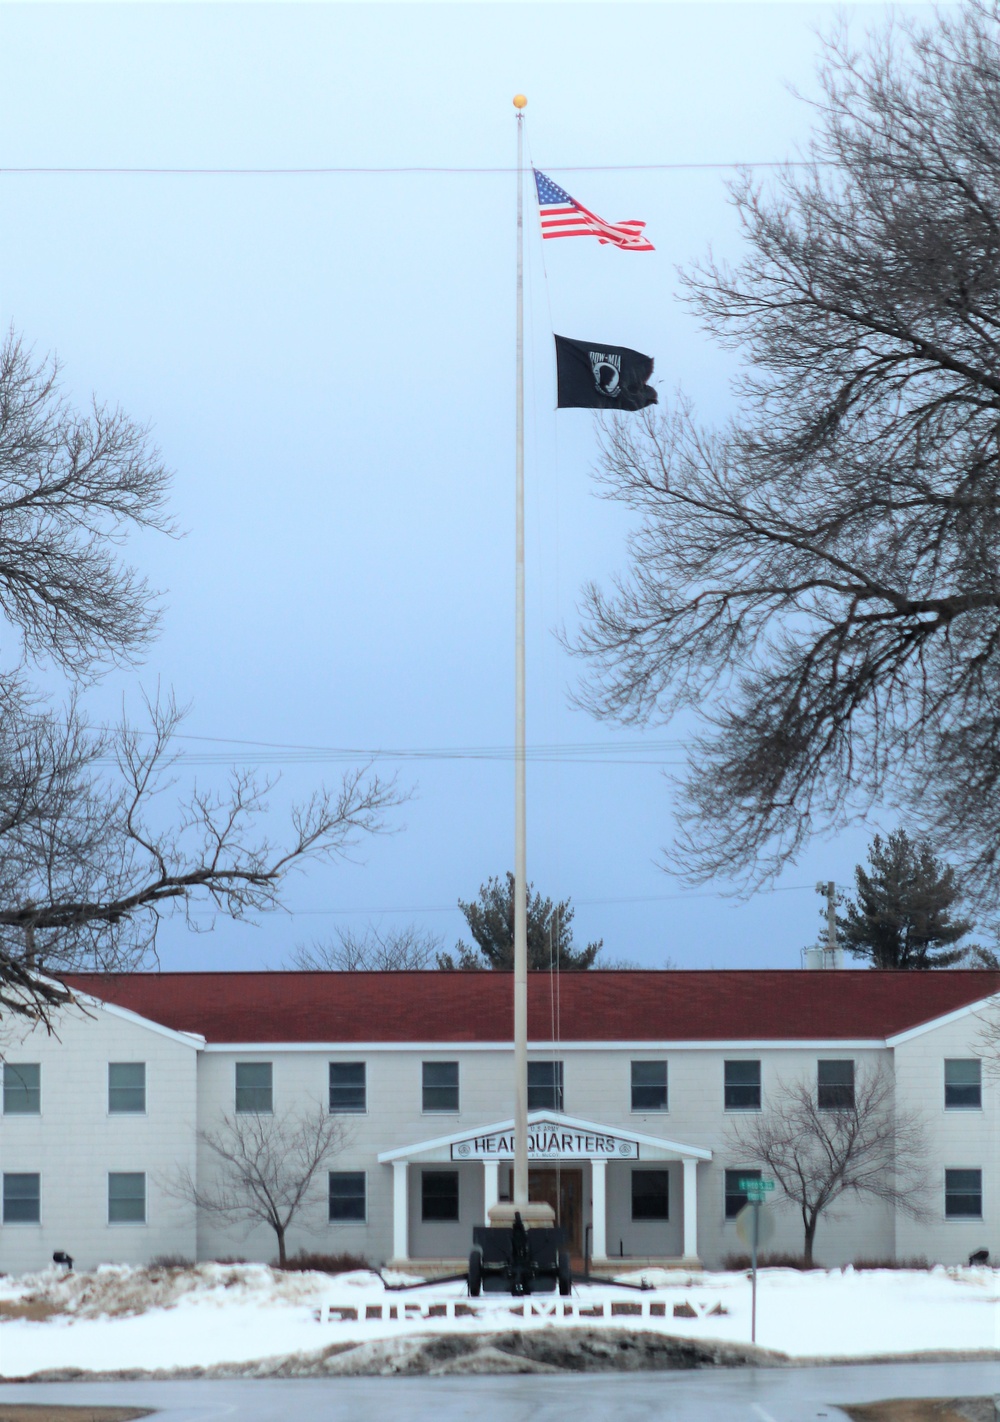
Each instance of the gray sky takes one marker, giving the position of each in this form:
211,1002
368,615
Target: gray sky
328,365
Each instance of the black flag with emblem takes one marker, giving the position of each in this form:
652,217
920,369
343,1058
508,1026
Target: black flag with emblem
598,377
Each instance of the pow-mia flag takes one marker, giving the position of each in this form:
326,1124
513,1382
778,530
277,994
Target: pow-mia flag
602,377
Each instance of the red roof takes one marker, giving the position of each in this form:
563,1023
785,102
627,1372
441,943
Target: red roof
717,1005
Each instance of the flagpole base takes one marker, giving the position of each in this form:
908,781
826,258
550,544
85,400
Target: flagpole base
535,1214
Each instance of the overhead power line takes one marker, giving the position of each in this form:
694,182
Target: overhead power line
448,908
278,753
319,172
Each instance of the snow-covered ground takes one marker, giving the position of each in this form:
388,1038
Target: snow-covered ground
123,1318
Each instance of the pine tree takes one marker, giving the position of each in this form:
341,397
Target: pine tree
901,917
491,923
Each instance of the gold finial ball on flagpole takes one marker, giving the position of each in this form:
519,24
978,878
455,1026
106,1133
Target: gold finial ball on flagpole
520,101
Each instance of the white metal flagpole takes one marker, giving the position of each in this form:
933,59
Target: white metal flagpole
536,1212
520,1191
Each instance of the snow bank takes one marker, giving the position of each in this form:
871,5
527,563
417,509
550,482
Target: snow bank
120,1318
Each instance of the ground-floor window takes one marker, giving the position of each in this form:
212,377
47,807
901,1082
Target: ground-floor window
127,1197
22,1199
347,1195
736,1198
439,1195
650,1194
963,1194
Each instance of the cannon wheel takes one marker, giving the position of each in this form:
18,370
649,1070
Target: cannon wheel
565,1274
475,1273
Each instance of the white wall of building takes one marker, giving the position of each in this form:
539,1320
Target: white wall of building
956,1138
74,1142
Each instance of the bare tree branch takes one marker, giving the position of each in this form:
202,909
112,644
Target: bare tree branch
407,949
88,872
71,487
819,580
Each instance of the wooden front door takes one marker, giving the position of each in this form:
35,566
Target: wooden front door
562,1188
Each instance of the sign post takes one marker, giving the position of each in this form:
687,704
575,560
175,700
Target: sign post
756,1191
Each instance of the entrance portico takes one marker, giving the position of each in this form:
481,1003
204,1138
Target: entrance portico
602,1153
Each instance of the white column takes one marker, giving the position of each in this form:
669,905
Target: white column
599,1209
400,1210
491,1186
690,1209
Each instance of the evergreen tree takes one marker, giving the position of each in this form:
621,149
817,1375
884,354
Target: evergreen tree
901,917
491,923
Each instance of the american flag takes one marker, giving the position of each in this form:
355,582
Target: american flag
563,216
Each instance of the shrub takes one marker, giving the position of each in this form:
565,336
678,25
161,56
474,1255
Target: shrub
738,1262
917,1263
171,1261
325,1263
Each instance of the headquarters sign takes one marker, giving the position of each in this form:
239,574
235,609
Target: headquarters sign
548,1140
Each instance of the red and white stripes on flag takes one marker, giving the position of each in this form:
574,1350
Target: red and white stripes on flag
563,216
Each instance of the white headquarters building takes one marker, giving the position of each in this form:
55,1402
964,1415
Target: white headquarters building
635,1080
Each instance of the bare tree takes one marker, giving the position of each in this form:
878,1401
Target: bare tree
396,950
819,579
88,872
90,860
71,487
864,1147
266,1168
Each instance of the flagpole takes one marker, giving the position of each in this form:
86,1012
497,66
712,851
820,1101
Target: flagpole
520,1190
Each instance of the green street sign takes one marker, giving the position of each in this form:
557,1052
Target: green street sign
750,1185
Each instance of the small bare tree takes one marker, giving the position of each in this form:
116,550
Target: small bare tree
407,949
267,1166
865,1147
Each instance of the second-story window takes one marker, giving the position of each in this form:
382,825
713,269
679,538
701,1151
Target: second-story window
963,1083
126,1088
440,1086
835,1085
254,1088
348,1088
649,1086
742,1086
545,1086
22,1089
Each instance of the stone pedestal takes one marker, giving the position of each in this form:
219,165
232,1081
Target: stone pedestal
536,1214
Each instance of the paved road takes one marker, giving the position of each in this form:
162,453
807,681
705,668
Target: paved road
723,1395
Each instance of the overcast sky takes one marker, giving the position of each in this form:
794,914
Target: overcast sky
328,363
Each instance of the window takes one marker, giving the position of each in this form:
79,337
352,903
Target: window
650,1195
545,1086
127,1198
347,1195
835,1086
126,1088
22,1089
963,1194
347,1087
254,1089
22,1199
963,1086
742,1086
439,1195
735,1197
440,1086
649,1086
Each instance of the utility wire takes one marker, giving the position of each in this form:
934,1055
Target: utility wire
449,908
348,171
